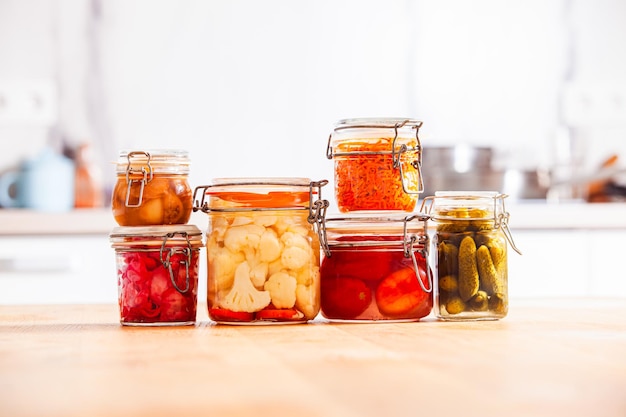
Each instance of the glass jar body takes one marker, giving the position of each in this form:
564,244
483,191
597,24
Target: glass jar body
377,164
152,188
263,249
157,276
373,284
471,260
375,268
263,267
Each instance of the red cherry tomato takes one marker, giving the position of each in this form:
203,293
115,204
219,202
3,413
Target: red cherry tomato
344,298
224,314
400,295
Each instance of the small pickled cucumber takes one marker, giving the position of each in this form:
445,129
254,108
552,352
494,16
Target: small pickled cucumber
468,269
489,279
498,256
498,304
479,302
448,283
448,258
455,305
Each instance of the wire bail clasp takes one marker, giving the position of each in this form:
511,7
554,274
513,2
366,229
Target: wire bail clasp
166,259
409,243
317,212
146,176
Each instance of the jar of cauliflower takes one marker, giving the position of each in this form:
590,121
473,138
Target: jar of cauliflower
263,249
471,280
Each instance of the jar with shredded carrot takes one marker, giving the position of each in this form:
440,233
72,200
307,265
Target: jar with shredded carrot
377,164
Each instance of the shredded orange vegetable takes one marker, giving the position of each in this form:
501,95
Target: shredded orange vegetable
370,182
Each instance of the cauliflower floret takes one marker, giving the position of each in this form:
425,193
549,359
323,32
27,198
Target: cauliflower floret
275,267
308,276
218,228
307,300
299,229
284,222
244,238
294,257
243,296
258,274
269,246
241,221
223,264
296,240
282,289
297,252
265,221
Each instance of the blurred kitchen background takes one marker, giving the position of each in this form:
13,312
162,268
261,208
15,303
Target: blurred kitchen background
526,97
524,92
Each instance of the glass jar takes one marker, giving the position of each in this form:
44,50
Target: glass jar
471,235
152,188
157,274
377,164
371,266
263,248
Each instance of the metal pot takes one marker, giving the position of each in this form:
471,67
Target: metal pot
459,168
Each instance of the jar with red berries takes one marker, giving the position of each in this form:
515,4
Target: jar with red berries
152,188
375,268
157,274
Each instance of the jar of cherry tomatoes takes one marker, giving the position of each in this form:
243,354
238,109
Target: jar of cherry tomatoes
377,164
157,274
152,188
263,248
375,268
471,235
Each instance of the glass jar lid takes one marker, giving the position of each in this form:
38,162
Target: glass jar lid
373,136
153,161
234,194
157,236
376,229
452,206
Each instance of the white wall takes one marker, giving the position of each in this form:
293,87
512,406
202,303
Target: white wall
253,88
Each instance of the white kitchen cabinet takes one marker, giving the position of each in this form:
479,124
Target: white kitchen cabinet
52,269
607,254
568,262
553,263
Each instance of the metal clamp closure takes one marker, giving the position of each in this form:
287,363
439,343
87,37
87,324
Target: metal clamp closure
423,241
146,174
166,255
317,211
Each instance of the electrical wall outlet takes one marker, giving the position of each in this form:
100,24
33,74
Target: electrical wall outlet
594,104
28,102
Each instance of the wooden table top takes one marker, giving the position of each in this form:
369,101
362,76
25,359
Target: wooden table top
564,357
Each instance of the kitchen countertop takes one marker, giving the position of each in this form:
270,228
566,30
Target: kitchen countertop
531,214
549,357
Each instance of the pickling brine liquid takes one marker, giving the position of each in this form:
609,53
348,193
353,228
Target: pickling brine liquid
263,267
367,284
165,200
471,271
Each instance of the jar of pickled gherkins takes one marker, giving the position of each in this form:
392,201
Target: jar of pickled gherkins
157,274
377,164
471,236
152,188
263,248
375,267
